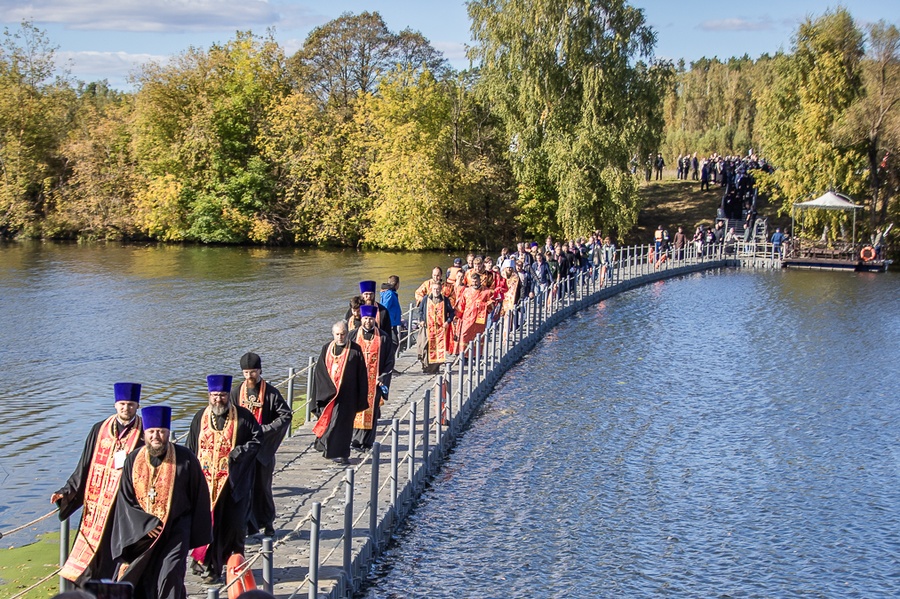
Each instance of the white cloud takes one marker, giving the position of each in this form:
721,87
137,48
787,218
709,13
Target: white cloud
115,67
170,16
738,24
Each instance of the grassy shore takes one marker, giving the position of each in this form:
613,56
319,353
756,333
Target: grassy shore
21,567
672,203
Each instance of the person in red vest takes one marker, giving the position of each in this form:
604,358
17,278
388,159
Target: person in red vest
379,361
225,438
95,483
340,389
162,511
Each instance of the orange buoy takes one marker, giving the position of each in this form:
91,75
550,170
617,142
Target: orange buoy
867,253
234,571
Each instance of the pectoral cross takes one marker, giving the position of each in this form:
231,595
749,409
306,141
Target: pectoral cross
152,495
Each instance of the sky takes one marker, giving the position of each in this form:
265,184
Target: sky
108,39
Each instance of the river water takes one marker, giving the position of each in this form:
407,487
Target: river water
727,434
74,319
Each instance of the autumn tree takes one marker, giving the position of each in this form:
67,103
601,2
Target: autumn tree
34,119
348,55
96,200
321,158
873,120
569,82
712,106
197,123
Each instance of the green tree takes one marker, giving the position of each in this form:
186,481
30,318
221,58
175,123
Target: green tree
567,80
814,87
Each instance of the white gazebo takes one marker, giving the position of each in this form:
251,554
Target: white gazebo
829,201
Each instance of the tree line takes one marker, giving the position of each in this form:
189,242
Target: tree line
366,137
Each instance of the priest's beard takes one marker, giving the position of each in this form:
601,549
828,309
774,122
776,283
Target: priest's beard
220,409
157,452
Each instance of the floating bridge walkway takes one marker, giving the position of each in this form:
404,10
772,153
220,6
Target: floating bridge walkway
333,521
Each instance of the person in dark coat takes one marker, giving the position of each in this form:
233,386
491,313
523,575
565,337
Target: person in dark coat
225,438
273,414
340,389
162,511
95,484
379,360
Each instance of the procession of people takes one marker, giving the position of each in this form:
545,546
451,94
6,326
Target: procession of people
154,509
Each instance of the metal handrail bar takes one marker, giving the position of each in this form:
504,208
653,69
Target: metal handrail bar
628,263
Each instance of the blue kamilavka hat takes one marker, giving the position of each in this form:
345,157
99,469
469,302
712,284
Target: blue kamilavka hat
367,310
218,382
367,286
127,392
156,417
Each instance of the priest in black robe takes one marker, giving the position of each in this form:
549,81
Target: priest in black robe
366,423
159,517
229,474
273,414
124,433
340,389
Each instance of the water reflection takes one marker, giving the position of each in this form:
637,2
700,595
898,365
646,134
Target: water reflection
716,435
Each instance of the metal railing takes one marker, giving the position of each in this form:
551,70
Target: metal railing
432,423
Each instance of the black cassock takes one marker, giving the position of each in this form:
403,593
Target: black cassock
157,569
232,509
103,565
364,438
353,398
276,419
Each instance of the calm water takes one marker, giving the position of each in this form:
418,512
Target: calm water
76,319
731,434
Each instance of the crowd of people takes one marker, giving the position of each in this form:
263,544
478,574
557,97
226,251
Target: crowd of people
152,506
732,171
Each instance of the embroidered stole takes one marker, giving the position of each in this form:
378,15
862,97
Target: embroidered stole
479,307
213,449
153,487
372,354
437,332
509,300
335,366
256,405
102,484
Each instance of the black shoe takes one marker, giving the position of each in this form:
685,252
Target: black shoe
197,568
212,577
341,461
269,531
